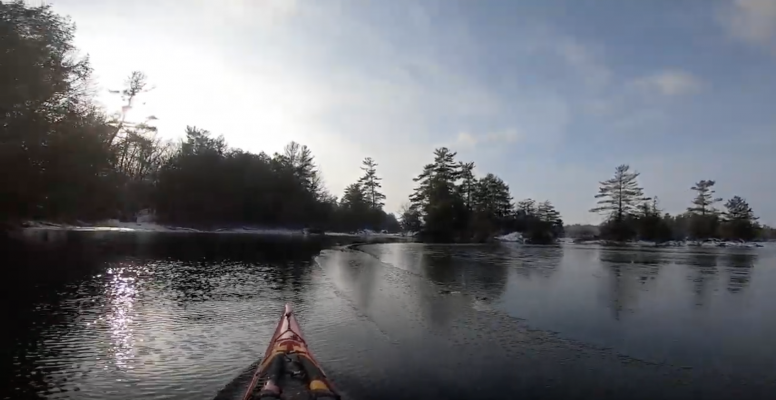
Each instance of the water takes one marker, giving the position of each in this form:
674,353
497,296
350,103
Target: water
166,316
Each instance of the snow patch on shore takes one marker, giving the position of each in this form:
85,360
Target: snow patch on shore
119,226
365,233
515,237
675,243
114,225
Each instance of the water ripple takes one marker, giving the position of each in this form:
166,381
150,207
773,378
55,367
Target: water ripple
185,318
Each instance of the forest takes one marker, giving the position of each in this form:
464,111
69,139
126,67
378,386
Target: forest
74,161
629,214
67,159
450,204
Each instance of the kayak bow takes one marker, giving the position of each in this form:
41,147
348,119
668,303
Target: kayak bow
289,370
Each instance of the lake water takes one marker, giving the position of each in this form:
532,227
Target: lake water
184,316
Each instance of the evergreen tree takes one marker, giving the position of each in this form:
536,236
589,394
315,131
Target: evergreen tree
410,219
546,212
370,183
492,198
737,209
739,220
704,220
468,184
526,207
651,224
680,225
619,200
704,200
391,223
620,195
545,225
354,198
301,161
445,215
438,199
438,178
491,208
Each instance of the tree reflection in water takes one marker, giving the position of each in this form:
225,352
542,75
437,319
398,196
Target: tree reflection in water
629,273
738,267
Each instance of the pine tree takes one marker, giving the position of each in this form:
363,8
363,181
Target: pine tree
648,208
301,161
546,212
704,218
419,196
468,184
370,183
492,197
410,219
704,200
438,178
526,207
739,219
738,209
651,224
620,195
437,198
354,197
540,223
355,208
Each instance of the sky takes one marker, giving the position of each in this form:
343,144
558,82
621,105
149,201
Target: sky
549,95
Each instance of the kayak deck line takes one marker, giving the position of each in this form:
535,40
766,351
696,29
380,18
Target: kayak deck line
289,370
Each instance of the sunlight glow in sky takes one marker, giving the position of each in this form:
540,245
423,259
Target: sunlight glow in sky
549,95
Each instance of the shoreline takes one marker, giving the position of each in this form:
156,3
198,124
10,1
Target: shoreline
704,243
152,227
15,229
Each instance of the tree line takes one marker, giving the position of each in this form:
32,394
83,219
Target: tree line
66,159
629,214
450,204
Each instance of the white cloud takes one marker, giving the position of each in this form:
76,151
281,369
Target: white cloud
466,139
497,137
753,21
505,136
598,106
266,13
671,83
585,60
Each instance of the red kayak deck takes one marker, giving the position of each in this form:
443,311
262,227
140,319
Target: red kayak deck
289,370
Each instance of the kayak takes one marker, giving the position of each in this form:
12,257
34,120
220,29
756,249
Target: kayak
289,370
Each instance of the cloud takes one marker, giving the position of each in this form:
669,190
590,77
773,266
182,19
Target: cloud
671,83
467,139
752,21
506,136
586,61
262,13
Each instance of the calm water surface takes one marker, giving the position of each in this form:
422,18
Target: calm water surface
164,316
